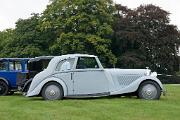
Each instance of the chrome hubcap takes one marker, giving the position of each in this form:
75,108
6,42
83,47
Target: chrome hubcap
52,92
149,91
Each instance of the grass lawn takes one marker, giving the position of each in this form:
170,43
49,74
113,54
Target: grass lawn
18,107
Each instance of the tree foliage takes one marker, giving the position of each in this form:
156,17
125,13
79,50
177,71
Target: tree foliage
6,37
83,26
145,37
27,40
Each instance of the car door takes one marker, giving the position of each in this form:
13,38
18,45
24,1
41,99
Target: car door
89,78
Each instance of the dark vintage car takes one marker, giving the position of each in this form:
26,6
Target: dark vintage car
35,65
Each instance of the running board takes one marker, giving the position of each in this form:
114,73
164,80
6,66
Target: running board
89,95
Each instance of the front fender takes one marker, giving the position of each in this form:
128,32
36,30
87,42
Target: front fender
36,91
153,78
135,85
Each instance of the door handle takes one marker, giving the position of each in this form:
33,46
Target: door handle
71,76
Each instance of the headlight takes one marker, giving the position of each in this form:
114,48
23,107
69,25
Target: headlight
154,74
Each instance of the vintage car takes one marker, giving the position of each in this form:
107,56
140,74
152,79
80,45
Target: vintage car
81,75
11,71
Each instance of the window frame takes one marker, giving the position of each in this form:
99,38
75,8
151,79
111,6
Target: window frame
96,59
72,67
6,66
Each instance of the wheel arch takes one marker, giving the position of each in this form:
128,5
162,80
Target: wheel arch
148,80
27,83
37,89
3,79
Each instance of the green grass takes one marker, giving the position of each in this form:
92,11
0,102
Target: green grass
18,107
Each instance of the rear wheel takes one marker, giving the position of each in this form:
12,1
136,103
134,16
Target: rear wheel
3,88
149,90
52,91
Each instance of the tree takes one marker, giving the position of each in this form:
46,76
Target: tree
82,26
6,37
125,43
146,32
28,40
158,38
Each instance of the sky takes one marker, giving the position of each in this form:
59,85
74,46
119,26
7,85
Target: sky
12,10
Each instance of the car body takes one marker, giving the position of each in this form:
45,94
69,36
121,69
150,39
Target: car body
11,70
82,75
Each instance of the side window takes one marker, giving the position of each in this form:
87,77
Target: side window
18,66
86,63
3,66
65,65
15,65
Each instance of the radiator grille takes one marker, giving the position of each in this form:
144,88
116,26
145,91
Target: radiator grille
127,80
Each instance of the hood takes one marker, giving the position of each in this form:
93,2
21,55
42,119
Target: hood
124,77
140,72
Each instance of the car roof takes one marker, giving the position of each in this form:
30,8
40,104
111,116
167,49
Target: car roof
73,56
14,59
41,58
56,59
59,57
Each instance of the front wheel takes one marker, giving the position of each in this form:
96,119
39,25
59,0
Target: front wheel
3,88
149,90
52,91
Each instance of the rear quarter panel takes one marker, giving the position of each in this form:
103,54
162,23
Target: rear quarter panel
38,87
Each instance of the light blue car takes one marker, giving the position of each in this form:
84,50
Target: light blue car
81,75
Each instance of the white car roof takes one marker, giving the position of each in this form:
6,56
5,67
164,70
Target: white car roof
56,59
73,56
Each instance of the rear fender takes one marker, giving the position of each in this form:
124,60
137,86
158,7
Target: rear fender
37,90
